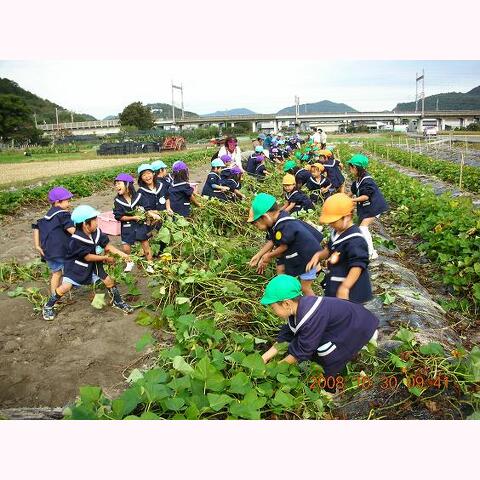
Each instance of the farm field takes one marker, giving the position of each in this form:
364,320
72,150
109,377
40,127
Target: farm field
192,349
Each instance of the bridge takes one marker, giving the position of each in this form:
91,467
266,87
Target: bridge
453,118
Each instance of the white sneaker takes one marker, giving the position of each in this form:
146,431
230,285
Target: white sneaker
129,267
150,269
374,255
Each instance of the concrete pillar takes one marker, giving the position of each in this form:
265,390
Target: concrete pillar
254,126
441,124
232,124
275,126
462,122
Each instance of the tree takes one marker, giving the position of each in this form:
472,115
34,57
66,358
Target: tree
16,121
137,115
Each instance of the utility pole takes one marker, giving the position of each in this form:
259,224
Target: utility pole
35,117
173,107
56,115
71,116
173,104
420,94
297,111
437,104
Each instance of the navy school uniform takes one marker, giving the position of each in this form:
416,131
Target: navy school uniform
232,185
315,186
213,179
154,199
76,267
131,231
53,235
300,199
375,205
179,195
353,250
328,331
302,176
302,239
334,173
252,163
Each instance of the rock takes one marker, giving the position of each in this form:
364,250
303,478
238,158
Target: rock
11,346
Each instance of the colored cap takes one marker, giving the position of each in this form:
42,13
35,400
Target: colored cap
280,288
236,170
325,153
319,166
124,177
331,149
158,165
83,212
289,165
259,149
261,204
217,163
289,179
144,167
226,158
299,155
179,166
262,136
335,207
359,160
281,141
305,157
57,194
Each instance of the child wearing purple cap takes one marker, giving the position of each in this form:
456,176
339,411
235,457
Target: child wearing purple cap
52,233
180,194
233,183
126,201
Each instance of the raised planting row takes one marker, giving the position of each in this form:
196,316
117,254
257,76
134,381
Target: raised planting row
83,185
448,171
449,228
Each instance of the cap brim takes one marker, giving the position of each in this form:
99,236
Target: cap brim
267,300
329,218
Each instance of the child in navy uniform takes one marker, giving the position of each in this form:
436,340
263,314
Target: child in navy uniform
347,276
234,184
85,259
51,233
318,184
213,187
334,173
328,331
302,174
161,174
180,193
153,191
290,241
253,159
295,199
368,197
132,231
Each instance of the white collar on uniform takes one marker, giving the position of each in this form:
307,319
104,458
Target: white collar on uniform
154,191
214,173
358,183
127,204
306,317
337,239
289,195
178,184
283,219
49,217
88,240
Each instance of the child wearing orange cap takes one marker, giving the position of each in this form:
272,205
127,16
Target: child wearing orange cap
347,273
318,184
295,199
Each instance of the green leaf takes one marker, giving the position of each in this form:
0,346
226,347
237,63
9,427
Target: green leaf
476,290
388,298
82,413
219,307
174,404
474,416
417,391
98,301
476,267
90,394
182,300
240,383
144,318
255,363
146,339
397,361
474,363
134,376
218,401
126,403
287,380
265,389
156,375
432,348
164,235
235,357
283,399
404,335
244,410
192,412
182,366
156,391
149,416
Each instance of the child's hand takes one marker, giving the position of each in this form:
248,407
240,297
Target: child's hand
262,264
109,260
254,261
343,292
313,262
39,249
169,211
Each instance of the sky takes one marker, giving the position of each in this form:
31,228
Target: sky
101,88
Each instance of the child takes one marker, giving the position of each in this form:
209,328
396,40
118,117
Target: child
290,241
132,231
180,193
233,184
318,184
52,233
153,191
160,173
225,171
302,174
333,169
328,331
86,255
295,199
259,171
368,197
213,187
347,252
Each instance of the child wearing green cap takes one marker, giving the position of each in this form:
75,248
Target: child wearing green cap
290,241
328,331
368,197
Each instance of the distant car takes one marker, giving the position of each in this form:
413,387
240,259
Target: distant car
430,131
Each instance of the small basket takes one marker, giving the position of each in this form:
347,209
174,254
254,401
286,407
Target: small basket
107,224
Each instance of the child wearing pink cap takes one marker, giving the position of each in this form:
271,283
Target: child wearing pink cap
180,194
52,233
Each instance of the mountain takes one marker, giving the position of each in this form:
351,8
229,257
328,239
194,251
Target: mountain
44,109
325,106
163,111
232,111
446,101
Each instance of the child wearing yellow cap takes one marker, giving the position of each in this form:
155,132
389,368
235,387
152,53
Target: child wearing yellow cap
318,184
347,273
295,199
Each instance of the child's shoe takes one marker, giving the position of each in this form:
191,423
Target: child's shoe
125,307
48,313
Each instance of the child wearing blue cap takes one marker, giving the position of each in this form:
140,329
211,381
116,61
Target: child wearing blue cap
161,174
87,251
132,230
154,191
290,241
213,184
327,331
52,233
256,164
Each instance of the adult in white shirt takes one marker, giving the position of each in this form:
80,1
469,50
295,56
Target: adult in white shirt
233,150
323,138
316,137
